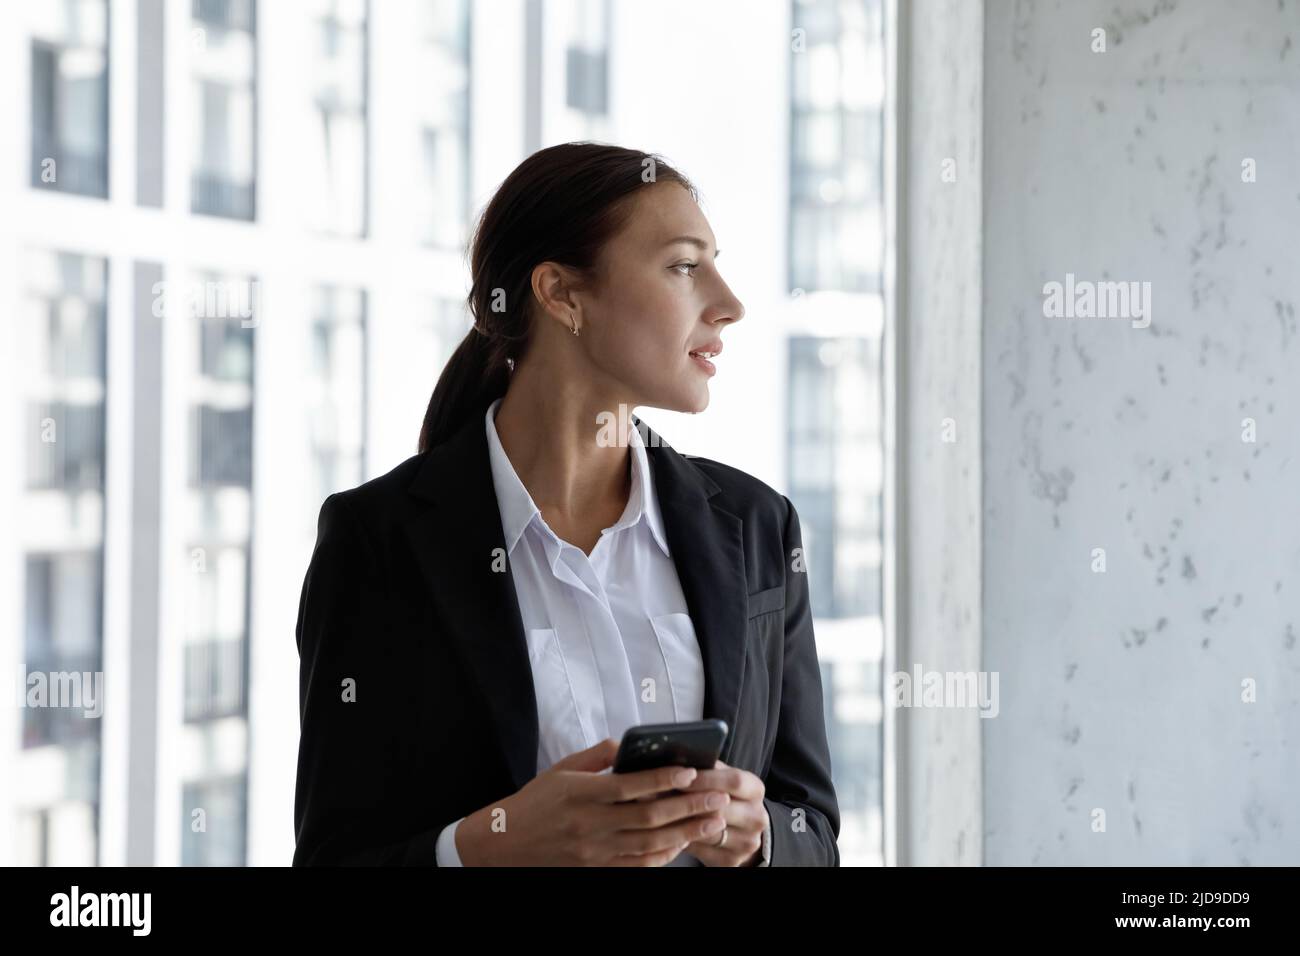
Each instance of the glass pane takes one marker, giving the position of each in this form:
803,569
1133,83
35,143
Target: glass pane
69,83
224,107
335,165
337,389
441,195
61,346
215,566
836,469
213,816
836,126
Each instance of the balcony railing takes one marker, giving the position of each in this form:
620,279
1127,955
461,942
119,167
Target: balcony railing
218,196
58,717
74,171
214,680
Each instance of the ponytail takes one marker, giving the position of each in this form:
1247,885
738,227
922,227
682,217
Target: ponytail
477,374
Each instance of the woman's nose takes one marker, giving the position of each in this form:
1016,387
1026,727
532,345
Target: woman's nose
732,309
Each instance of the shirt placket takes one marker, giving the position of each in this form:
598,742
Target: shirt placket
604,643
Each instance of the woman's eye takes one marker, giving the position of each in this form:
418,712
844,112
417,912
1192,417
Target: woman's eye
687,265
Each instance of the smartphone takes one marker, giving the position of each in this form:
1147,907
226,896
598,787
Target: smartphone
691,743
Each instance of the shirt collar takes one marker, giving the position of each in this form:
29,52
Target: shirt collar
518,510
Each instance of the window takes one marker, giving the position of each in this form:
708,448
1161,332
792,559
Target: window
70,96
337,387
336,162
837,76
835,460
221,427
442,193
223,52
214,652
75,461
219,803
64,610
220,339
835,453
61,338
587,58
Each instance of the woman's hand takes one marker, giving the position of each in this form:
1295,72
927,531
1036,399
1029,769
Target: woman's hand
572,814
745,815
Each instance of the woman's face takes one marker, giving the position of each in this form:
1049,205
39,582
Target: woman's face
659,297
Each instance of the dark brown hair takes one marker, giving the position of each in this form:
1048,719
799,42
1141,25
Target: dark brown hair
562,204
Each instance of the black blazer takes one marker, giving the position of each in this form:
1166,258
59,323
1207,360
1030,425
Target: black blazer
401,599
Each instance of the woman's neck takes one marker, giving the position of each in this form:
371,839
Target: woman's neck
576,470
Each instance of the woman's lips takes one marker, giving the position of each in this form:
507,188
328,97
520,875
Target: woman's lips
710,350
704,363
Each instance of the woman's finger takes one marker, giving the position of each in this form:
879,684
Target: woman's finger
741,846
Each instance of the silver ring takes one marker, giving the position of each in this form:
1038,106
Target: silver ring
723,841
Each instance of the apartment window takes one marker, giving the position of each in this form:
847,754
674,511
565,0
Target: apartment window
223,805
60,340
75,461
442,192
221,425
215,678
853,710
587,57
449,324
223,53
223,446
70,96
66,313
226,345
835,246
837,95
336,160
337,388
835,459
218,383
221,459
64,607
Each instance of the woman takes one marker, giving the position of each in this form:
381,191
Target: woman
479,626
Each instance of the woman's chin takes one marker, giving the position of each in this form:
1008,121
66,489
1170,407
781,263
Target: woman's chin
699,402
689,401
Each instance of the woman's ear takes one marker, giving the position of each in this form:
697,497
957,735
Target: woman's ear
554,286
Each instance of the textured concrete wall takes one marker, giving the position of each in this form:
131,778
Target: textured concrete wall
1122,691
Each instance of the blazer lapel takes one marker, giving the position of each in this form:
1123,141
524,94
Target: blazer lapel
707,545
458,543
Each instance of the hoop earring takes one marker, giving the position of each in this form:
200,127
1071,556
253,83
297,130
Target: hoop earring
575,323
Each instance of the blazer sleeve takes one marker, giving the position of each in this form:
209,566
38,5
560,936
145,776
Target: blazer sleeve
800,797
352,798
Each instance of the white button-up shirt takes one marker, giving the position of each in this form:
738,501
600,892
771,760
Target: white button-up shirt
610,640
